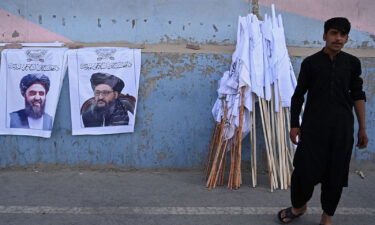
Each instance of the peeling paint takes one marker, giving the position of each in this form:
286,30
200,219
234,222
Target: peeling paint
180,40
99,23
114,21
142,148
369,80
364,44
15,34
174,70
144,133
222,59
146,67
208,70
166,39
215,28
161,156
133,23
148,87
318,43
170,22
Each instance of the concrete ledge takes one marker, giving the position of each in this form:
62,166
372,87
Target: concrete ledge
223,49
219,49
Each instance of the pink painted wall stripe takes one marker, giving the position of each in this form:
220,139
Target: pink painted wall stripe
16,29
359,12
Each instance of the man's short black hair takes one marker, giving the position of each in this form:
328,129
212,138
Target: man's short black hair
339,23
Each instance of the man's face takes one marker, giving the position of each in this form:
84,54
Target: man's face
335,40
35,99
104,95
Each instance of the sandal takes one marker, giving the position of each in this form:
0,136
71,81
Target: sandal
288,215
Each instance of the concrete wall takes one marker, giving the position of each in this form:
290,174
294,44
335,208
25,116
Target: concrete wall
174,21
178,86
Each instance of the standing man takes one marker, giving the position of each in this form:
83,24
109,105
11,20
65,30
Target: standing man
34,88
108,109
333,84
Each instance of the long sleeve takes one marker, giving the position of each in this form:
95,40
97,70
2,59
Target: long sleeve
298,96
356,82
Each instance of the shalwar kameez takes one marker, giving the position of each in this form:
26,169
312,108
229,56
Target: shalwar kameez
325,146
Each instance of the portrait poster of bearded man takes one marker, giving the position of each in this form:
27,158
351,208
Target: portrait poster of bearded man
31,89
34,88
108,107
103,84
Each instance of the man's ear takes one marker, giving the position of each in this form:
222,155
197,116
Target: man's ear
116,94
324,37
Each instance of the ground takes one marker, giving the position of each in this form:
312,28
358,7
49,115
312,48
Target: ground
82,196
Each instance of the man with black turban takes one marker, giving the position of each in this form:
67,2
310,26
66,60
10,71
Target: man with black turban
332,80
34,88
107,109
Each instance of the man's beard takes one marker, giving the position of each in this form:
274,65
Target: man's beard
35,112
104,110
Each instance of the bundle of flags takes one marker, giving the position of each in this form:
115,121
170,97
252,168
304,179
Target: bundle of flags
261,74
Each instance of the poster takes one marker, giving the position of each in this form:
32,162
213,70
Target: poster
103,84
31,81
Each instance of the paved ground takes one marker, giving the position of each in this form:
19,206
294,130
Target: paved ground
72,197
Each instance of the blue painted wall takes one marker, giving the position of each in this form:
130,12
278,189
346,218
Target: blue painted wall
163,21
177,90
173,124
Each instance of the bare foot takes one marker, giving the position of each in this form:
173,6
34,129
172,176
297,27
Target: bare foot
326,220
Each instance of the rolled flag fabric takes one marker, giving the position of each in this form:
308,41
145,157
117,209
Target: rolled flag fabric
31,84
230,85
260,62
256,56
283,67
266,29
282,74
103,87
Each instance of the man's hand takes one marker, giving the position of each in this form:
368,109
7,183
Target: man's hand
360,111
294,133
362,139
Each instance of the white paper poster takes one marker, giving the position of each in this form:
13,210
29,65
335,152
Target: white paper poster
103,89
31,81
